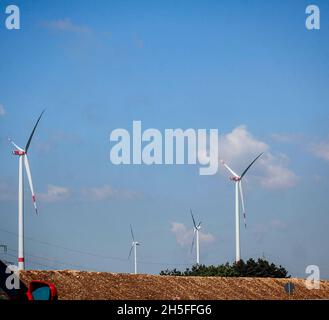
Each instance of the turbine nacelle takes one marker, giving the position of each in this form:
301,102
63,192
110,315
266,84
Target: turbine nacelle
198,227
18,152
235,179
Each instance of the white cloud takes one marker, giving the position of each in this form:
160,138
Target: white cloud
54,194
108,192
66,25
184,235
2,110
239,147
240,143
59,193
320,150
277,176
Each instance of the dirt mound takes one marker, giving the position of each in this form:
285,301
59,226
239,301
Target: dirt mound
82,285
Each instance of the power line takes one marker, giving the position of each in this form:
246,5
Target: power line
52,261
37,263
94,254
66,248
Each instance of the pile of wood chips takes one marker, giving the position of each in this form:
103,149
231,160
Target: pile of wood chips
83,285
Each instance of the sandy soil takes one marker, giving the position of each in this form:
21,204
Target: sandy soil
81,285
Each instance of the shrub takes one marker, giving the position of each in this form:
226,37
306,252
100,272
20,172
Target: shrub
250,268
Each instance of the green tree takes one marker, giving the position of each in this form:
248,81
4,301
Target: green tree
250,268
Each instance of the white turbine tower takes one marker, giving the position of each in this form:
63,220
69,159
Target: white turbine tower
196,232
134,245
22,153
238,189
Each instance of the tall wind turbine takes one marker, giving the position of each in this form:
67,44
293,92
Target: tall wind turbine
134,245
238,189
22,154
196,232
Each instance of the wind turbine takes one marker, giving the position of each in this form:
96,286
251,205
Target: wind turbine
134,245
22,154
196,232
238,189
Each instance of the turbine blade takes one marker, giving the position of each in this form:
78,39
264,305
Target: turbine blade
193,240
15,145
246,170
131,249
29,177
242,202
198,226
132,233
30,138
193,218
229,169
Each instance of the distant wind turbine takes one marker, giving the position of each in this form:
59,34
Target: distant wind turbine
196,232
22,154
238,188
134,245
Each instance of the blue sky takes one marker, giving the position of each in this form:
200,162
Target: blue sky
249,68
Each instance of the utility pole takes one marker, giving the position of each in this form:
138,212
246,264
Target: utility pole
3,248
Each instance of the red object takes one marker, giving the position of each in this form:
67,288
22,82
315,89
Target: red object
20,259
235,178
18,153
36,284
